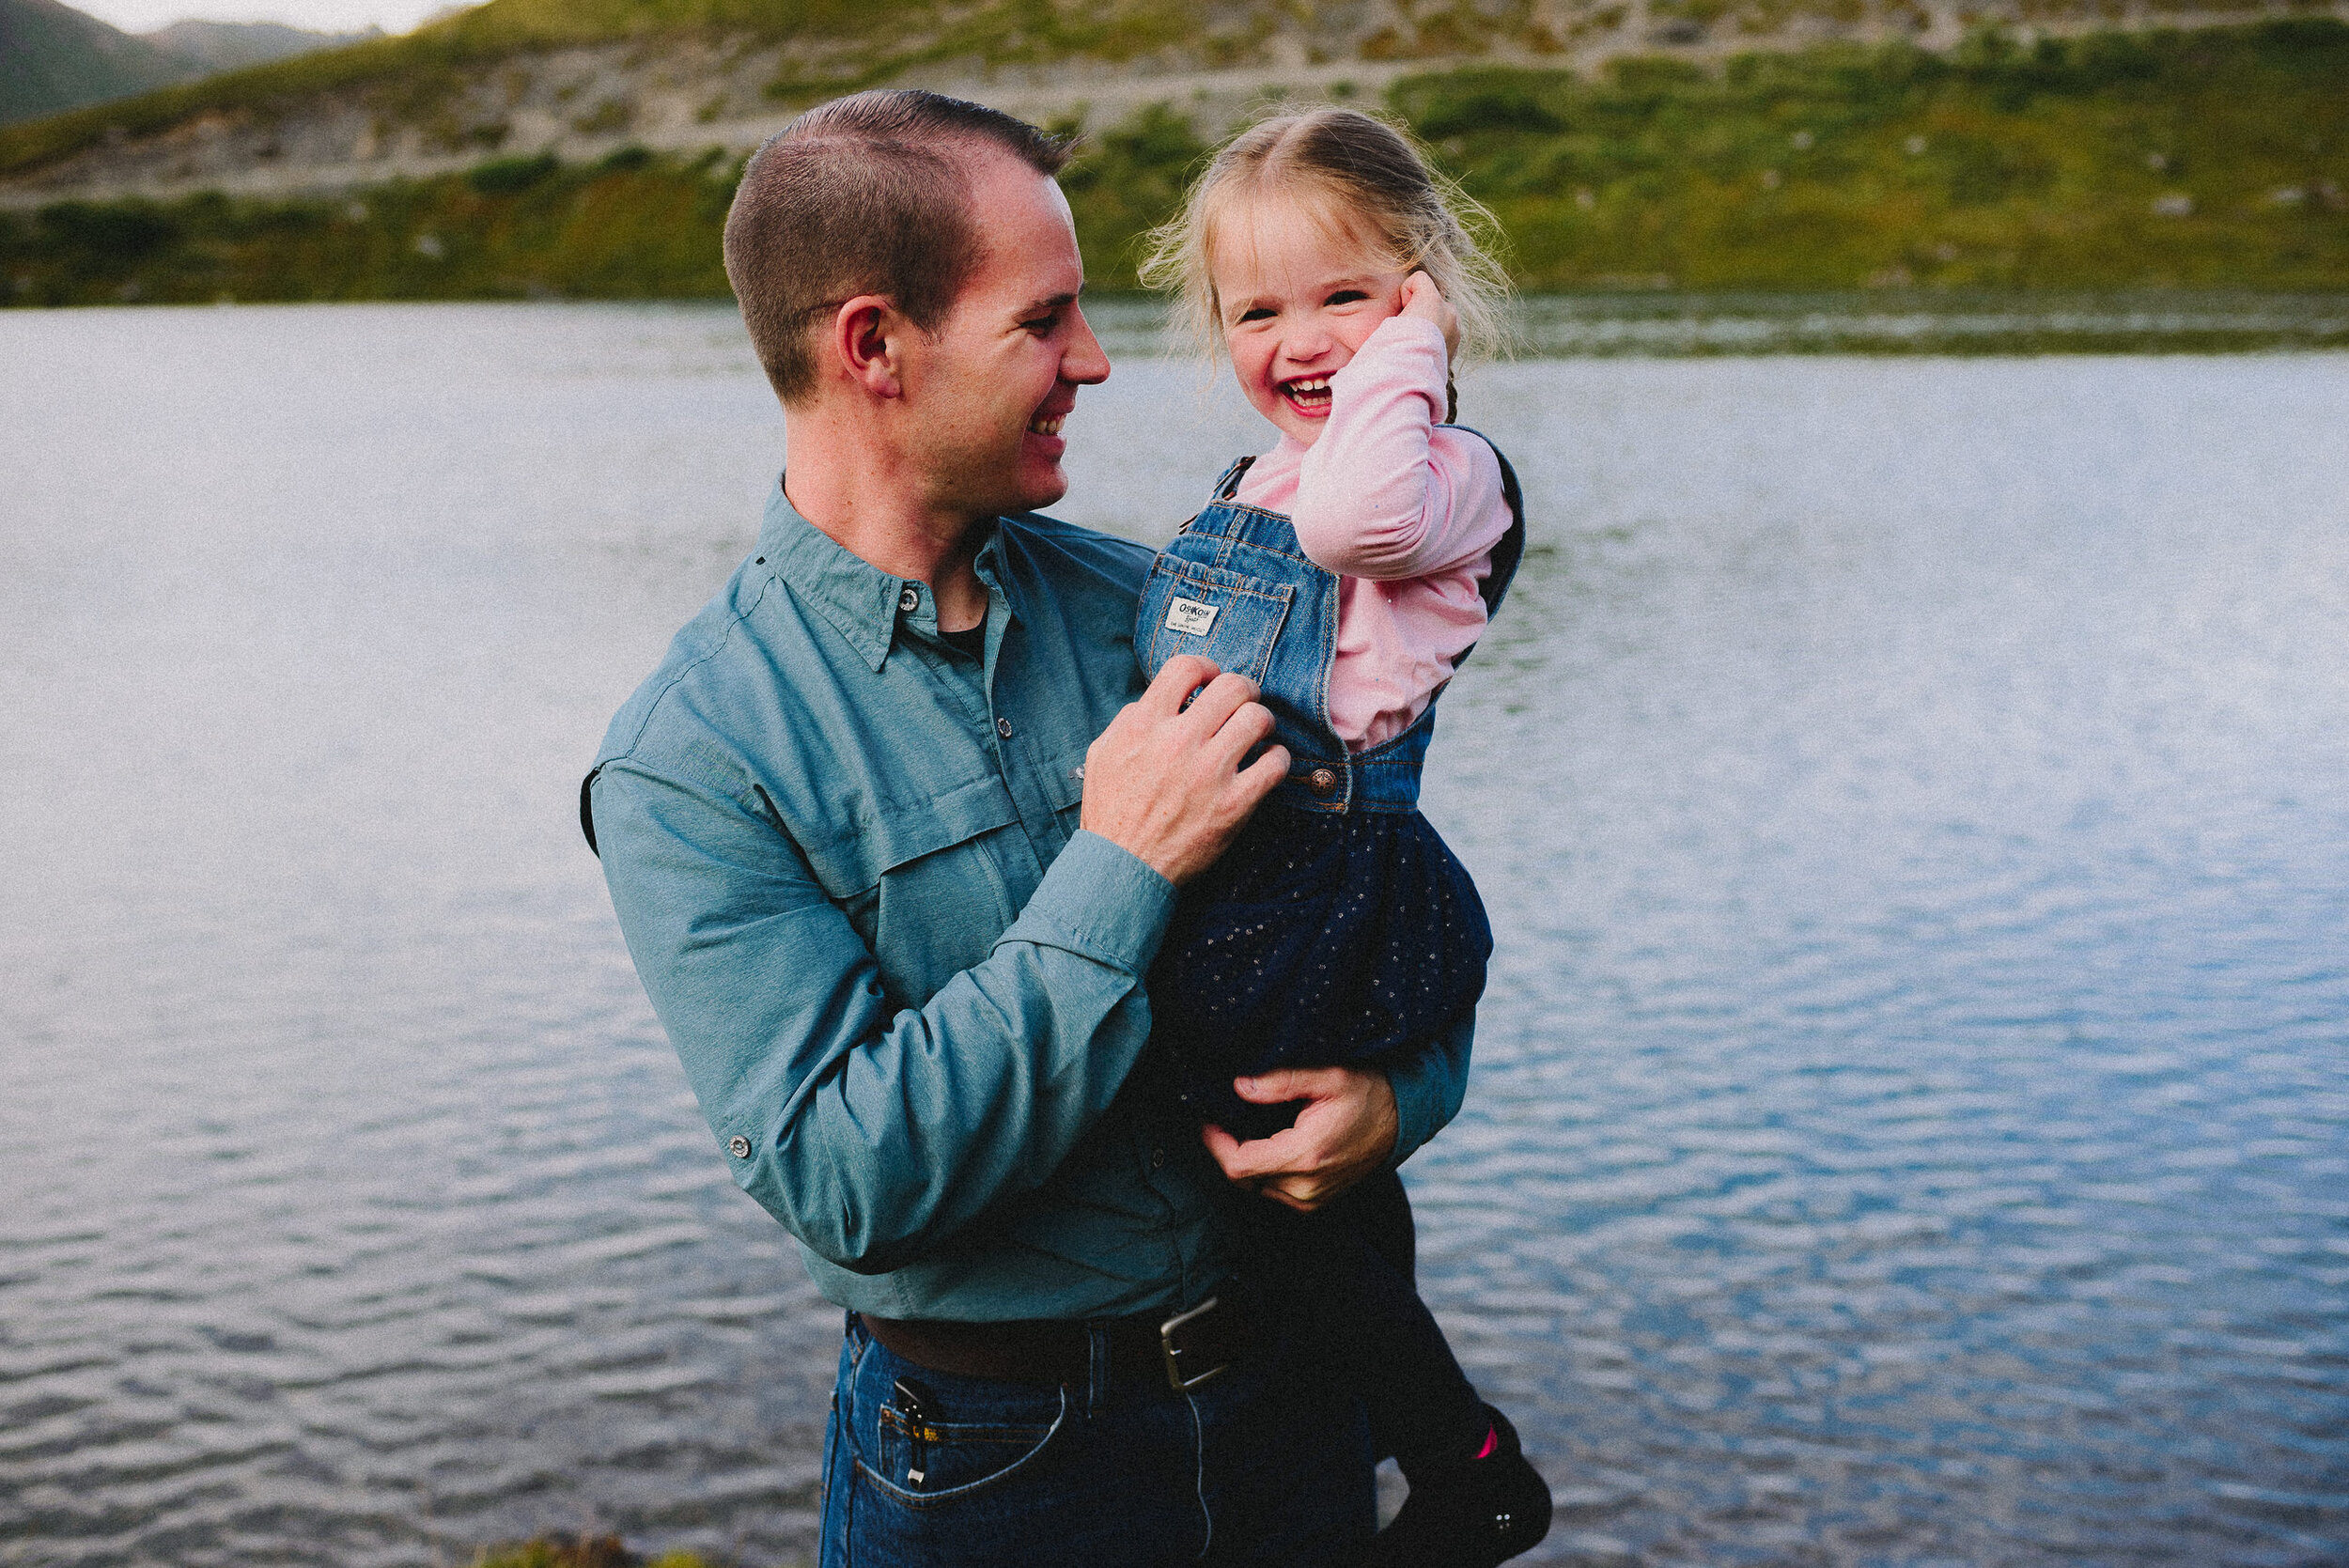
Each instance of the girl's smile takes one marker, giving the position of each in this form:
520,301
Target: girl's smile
1297,295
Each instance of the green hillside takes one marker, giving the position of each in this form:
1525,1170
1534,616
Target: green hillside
2206,159
2213,159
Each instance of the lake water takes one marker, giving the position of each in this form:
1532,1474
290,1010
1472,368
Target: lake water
1911,1112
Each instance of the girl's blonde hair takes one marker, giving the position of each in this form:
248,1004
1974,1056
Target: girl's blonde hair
1376,182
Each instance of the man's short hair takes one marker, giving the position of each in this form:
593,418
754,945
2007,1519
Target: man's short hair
866,194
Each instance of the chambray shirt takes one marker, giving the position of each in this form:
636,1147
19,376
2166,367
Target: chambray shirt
906,987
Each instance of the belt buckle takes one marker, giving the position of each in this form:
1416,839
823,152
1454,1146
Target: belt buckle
1170,1333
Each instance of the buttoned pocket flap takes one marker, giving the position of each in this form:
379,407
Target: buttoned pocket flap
890,834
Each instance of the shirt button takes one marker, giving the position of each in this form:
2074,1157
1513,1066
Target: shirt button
738,1147
1158,1159
1323,782
1003,727
911,600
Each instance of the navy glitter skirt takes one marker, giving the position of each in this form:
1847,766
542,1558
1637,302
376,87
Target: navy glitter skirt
1320,940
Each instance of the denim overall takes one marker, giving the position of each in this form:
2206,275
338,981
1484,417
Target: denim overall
1338,926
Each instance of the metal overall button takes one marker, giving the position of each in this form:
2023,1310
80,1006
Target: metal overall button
1323,782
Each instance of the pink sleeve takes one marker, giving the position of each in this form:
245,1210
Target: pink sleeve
1383,493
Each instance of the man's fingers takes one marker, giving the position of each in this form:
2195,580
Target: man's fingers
1175,680
1283,1084
1261,777
1311,1199
1225,695
1275,1155
1247,726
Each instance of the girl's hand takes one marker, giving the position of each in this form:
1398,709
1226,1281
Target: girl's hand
1422,299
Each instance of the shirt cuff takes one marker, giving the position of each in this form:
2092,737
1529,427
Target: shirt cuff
1429,1085
1100,900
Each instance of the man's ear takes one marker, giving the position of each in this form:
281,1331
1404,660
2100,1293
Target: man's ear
866,343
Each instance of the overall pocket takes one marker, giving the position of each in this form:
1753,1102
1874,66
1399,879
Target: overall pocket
1223,615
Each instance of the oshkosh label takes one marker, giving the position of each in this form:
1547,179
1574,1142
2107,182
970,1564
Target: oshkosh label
1190,617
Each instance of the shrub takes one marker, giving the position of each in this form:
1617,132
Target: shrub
506,176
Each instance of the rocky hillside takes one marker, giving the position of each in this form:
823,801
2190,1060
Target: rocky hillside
577,80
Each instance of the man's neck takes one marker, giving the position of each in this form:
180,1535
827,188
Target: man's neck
832,485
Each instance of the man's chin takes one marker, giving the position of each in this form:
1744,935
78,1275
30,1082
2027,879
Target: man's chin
1029,486
1040,490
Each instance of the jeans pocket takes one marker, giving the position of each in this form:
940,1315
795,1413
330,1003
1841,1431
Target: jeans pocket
925,1455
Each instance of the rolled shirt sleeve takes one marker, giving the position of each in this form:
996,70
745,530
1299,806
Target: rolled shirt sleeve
1429,1086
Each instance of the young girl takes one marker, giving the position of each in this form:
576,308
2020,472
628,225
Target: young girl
1347,571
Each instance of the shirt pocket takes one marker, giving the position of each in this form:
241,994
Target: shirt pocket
925,885
1220,615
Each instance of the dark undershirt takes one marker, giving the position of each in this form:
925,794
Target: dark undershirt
971,644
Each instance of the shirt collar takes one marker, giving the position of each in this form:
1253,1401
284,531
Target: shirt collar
862,602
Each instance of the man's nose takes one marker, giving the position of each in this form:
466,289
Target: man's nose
1082,362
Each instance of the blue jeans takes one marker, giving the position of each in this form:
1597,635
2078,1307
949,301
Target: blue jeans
1269,1464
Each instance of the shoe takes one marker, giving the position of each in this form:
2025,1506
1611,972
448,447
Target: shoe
1473,1515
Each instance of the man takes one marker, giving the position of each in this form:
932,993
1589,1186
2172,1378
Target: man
893,835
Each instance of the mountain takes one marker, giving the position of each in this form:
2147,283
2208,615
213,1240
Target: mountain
54,57
217,46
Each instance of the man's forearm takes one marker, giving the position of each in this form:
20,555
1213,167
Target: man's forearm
984,1090
871,1132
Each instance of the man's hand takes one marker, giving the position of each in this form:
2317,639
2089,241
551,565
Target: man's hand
1164,780
1345,1132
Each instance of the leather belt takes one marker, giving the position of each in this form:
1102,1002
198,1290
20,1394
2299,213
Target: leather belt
1186,1348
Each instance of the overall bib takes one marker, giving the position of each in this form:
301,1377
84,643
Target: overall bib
1338,926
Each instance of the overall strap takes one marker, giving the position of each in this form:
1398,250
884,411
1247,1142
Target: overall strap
1510,550
1228,486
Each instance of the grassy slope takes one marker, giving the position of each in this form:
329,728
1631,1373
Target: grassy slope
1823,170
2064,166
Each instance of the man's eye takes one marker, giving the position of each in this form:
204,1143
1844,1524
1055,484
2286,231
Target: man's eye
1042,323
1347,297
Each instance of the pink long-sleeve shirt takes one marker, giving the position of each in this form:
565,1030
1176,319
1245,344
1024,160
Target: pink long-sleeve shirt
1406,514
